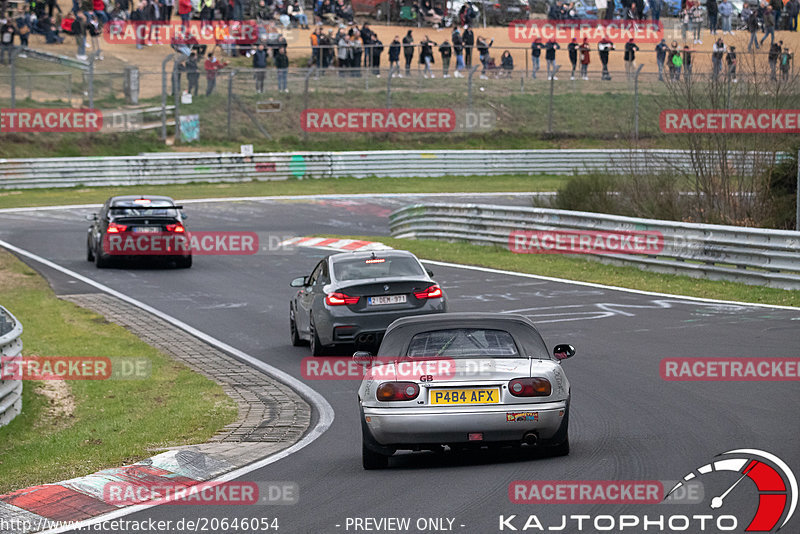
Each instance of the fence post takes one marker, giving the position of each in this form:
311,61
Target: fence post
176,97
91,80
636,103
311,71
164,97
550,105
30,86
472,71
13,79
69,88
797,196
230,100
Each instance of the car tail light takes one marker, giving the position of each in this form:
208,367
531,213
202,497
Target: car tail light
114,228
177,228
433,292
530,387
340,299
397,391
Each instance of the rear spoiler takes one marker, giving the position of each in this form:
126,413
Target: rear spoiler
145,207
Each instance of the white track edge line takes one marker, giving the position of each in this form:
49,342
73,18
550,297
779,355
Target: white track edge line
325,417
603,286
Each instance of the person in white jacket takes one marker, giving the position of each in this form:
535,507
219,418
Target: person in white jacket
602,5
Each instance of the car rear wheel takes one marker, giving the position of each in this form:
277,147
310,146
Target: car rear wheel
561,442
317,348
101,260
184,262
562,449
373,460
89,253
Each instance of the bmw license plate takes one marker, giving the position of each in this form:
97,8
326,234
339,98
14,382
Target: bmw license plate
388,299
145,229
514,10
465,396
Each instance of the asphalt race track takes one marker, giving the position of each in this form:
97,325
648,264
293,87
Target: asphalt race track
626,422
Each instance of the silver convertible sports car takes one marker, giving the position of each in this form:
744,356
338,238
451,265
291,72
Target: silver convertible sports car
463,380
351,297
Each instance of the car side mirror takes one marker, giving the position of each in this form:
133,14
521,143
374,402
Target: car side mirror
298,282
563,351
430,273
362,356
92,217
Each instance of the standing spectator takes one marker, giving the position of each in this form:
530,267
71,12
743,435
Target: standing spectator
367,36
792,9
772,58
78,29
550,57
675,62
630,58
752,27
655,9
769,26
717,52
408,51
725,10
7,32
536,52
604,47
458,49
166,9
138,25
345,53
192,73
777,6
178,67
612,6
212,65
469,41
377,50
446,52
24,27
260,66
95,31
712,11
483,54
685,18
99,10
584,49
207,12
184,11
316,58
730,59
687,63
357,46
394,55
426,56
661,56
786,64
601,5
572,50
282,67
52,5
697,15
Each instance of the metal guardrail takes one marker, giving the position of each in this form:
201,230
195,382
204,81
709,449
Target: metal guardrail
185,168
738,254
10,346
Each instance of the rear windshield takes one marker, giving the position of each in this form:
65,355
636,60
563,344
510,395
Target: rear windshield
153,208
378,267
463,343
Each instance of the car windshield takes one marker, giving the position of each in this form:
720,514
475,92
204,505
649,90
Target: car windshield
463,343
143,208
377,267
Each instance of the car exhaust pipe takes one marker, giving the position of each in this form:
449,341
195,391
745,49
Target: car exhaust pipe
366,339
531,438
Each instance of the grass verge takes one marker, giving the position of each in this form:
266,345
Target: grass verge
73,428
449,184
585,270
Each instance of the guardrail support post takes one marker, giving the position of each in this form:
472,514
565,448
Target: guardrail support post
311,71
164,97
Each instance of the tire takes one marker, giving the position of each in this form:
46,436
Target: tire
184,262
373,460
561,445
317,348
101,261
295,335
562,449
89,253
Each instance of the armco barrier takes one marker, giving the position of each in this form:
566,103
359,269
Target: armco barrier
176,168
733,253
10,345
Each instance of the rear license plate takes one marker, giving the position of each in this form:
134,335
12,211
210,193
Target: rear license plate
145,229
465,396
514,10
389,299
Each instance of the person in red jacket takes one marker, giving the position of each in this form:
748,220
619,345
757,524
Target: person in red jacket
100,11
584,50
184,11
212,66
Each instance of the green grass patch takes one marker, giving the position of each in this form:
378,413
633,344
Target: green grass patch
586,270
73,428
449,184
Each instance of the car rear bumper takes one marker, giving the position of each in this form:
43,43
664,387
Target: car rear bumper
394,427
340,325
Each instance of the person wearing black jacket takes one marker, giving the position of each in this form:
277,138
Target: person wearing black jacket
550,57
572,49
730,60
711,10
610,10
483,53
192,73
772,59
603,48
426,56
536,52
394,54
630,58
468,38
260,64
282,66
367,36
458,49
408,51
447,52
377,50
7,32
